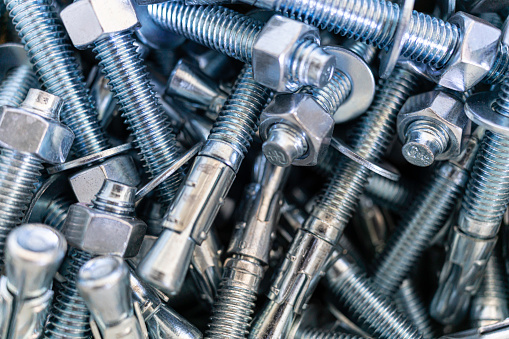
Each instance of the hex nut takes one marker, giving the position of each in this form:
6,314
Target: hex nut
27,132
274,49
103,233
88,21
436,107
473,57
88,182
302,112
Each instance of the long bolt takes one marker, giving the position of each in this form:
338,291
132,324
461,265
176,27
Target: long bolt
55,64
197,203
310,333
429,40
128,79
423,220
248,253
368,308
483,207
234,35
298,275
14,87
409,302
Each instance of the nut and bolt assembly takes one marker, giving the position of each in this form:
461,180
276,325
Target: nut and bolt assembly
148,149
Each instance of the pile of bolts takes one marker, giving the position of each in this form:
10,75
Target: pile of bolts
313,169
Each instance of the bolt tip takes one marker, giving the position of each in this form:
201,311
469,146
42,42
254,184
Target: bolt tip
418,154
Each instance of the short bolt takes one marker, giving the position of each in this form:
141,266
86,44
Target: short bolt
236,35
206,185
56,67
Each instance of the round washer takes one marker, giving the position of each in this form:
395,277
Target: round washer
478,108
362,79
12,55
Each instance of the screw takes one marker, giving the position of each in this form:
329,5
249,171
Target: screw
20,164
14,87
364,304
423,220
33,254
206,185
311,333
104,284
235,35
46,43
248,254
483,206
314,242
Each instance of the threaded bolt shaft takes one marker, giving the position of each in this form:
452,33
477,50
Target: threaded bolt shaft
374,22
14,87
234,35
390,194
332,95
428,213
311,333
57,212
365,305
128,79
49,50
69,316
410,304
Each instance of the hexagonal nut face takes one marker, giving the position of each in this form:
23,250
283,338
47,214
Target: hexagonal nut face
88,182
437,107
274,48
303,113
474,56
88,21
27,132
103,233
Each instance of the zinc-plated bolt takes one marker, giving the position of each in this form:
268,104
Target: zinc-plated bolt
129,80
20,160
33,254
395,195
103,282
314,242
409,303
14,87
424,218
46,43
208,181
368,308
489,305
236,35
483,207
248,253
310,333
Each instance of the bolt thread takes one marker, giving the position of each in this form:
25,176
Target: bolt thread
233,307
49,50
129,80
216,27
370,140
14,87
238,120
57,212
500,66
311,333
69,316
410,304
365,51
19,174
332,95
121,208
487,191
501,104
375,22
393,194
368,308
412,237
